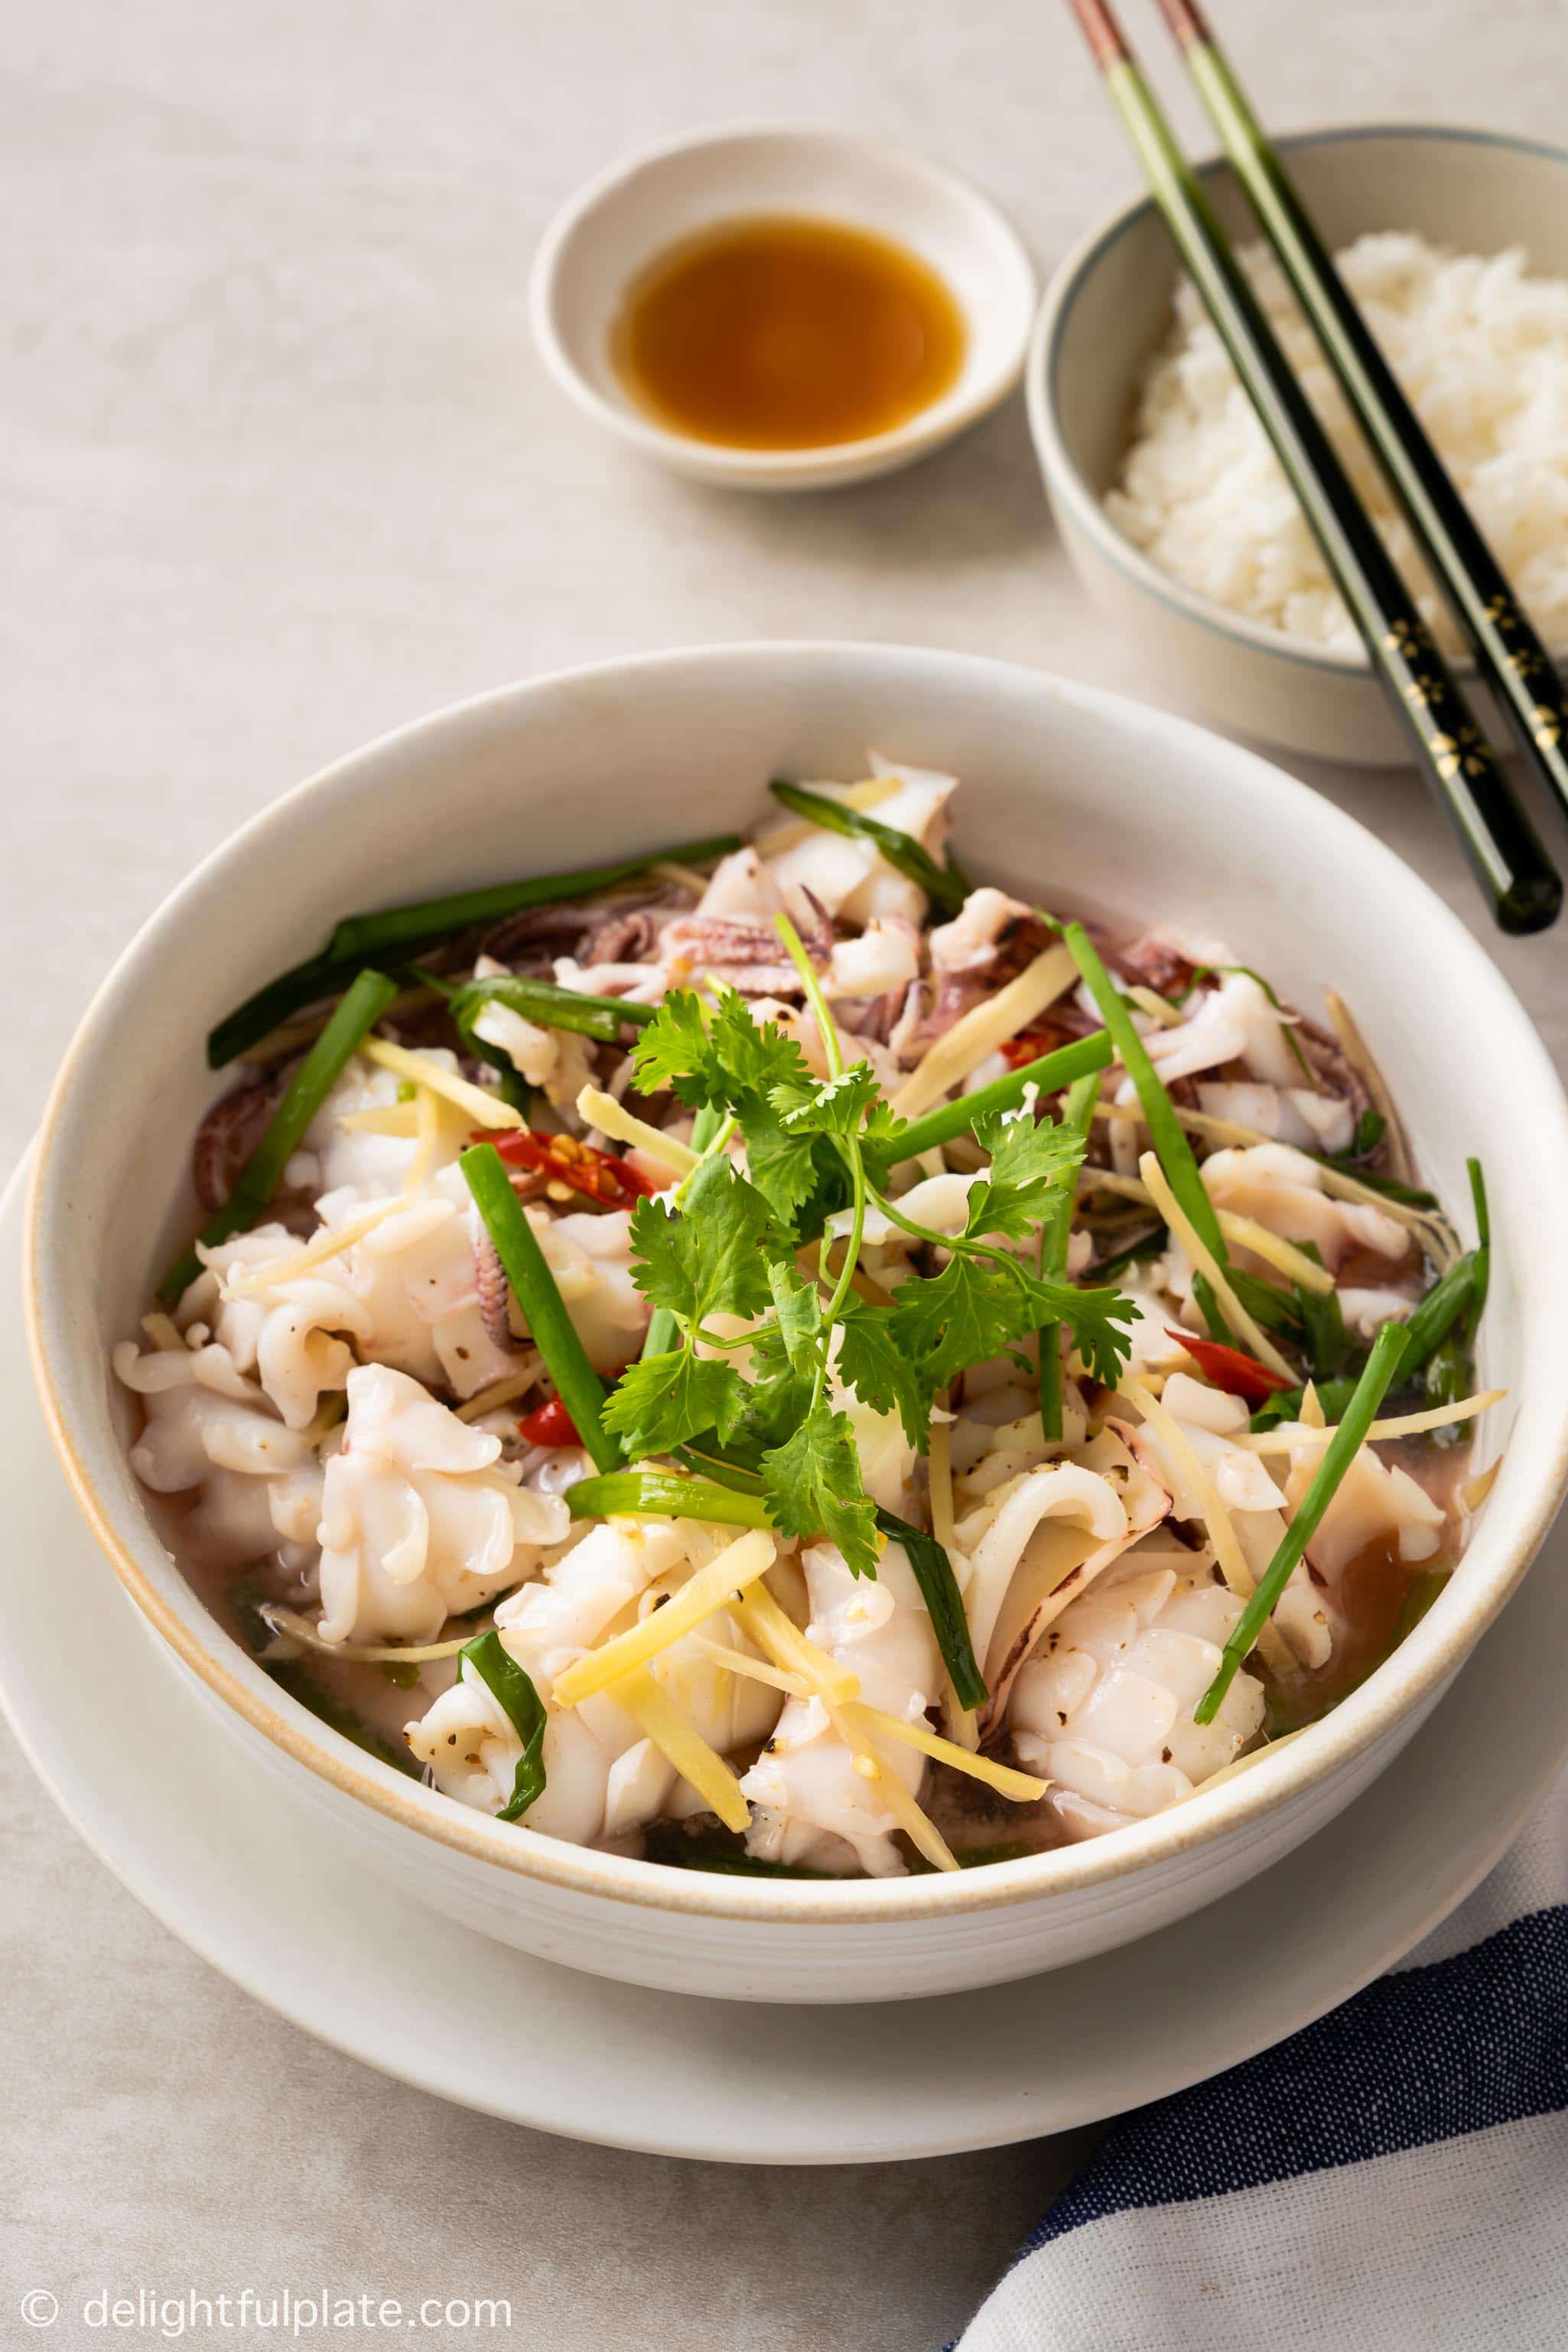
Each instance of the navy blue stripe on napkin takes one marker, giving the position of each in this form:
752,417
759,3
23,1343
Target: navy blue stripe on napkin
1425,2054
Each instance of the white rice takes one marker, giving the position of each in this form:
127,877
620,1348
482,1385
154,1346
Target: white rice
1482,351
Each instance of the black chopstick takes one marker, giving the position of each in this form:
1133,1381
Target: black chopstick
1507,649
1521,885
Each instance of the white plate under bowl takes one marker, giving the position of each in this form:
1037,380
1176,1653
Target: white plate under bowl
262,1888
613,228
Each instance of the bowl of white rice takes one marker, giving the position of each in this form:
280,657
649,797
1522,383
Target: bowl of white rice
1170,503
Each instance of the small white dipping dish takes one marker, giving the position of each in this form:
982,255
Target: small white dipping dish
1106,309
625,219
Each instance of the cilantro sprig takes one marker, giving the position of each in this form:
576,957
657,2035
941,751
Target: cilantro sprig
817,1147
727,1248
986,1301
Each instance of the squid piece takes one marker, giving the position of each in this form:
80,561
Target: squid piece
743,951
416,1273
347,1162
555,1059
642,982
939,1202
1283,1190
208,1428
1151,1347
1167,959
742,885
883,959
1374,1503
1210,1423
1294,1115
1233,1022
990,1453
1031,1549
551,1623
420,1518
1104,1711
814,1804
589,1252
849,876
294,1339
603,1777
415,1283
1366,1311
982,929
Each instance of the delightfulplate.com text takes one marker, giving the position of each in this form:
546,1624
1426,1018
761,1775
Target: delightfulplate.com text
268,2312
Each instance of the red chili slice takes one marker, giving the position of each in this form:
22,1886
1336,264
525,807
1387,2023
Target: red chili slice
550,1424
599,1174
1030,1043
1229,1369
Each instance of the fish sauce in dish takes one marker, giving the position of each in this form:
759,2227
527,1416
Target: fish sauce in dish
783,333
779,1357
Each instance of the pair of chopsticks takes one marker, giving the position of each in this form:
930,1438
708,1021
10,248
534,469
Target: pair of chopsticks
1521,885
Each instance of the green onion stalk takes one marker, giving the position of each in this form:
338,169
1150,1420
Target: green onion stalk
1056,1229
361,1009
550,1007
1165,1129
1384,1361
662,1495
932,1571
514,1691
553,1333
402,933
1049,1073
945,884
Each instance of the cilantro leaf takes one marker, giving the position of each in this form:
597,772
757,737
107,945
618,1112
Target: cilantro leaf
784,1355
710,1259
778,1398
799,1304
672,1051
976,1308
971,1310
749,1058
883,1132
812,1483
826,1106
1032,1165
1094,1317
750,1062
663,1399
872,1364
737,1064
787,1170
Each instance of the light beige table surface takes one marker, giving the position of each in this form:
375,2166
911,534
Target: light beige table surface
281,470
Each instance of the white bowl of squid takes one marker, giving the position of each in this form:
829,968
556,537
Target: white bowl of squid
840,1639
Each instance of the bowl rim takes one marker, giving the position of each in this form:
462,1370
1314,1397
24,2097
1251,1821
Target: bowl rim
1430,1655
926,430
1041,393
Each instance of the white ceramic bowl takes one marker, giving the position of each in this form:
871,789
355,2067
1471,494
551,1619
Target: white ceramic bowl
621,221
1067,789
1108,308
